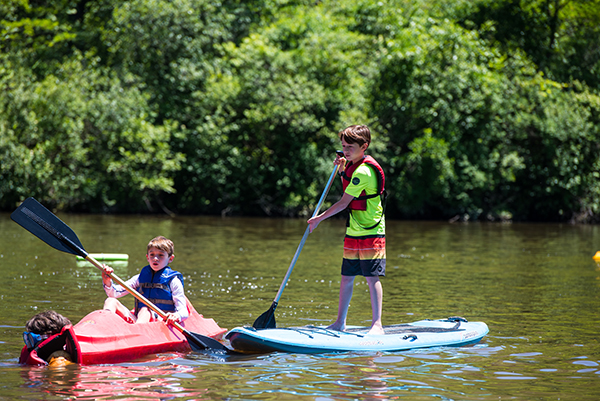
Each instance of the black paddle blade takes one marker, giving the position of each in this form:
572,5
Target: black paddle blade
267,319
42,223
199,342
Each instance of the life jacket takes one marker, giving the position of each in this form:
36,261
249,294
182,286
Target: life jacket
40,353
360,203
155,286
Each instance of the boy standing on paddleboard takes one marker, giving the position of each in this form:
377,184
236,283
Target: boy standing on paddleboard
160,284
363,181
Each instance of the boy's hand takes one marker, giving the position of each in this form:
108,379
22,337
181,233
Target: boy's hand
313,222
340,161
171,318
105,275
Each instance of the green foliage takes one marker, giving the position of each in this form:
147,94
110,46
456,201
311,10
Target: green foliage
265,114
470,132
560,36
479,109
167,44
40,36
79,140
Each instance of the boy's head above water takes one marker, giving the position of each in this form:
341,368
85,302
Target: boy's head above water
160,253
358,134
163,244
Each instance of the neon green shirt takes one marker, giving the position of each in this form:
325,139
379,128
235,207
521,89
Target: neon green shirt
359,219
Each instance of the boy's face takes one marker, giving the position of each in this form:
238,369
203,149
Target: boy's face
158,259
353,151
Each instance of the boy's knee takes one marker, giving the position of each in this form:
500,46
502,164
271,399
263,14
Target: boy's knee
144,315
111,304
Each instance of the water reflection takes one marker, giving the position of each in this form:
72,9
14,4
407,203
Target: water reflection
535,285
366,379
158,379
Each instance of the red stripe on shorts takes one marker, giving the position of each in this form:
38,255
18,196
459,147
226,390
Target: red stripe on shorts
364,248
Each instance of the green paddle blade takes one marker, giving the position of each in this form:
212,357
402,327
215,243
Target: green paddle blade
42,223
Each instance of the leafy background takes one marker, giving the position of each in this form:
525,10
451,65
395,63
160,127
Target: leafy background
479,109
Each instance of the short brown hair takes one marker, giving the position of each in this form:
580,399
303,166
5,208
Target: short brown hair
46,323
162,243
359,134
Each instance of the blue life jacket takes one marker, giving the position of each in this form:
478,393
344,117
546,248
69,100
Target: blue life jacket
155,286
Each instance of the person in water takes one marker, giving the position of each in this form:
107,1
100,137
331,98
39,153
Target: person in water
42,326
160,284
363,181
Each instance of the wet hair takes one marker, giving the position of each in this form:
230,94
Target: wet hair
359,134
162,243
47,323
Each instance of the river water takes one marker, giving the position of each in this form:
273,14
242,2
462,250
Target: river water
535,285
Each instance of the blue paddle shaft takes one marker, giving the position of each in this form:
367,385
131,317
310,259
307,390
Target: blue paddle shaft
306,232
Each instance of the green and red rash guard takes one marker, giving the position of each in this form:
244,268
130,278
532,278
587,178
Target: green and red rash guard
360,203
365,181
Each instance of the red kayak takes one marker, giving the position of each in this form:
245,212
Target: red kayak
104,337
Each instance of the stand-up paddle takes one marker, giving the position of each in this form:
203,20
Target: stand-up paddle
42,223
267,319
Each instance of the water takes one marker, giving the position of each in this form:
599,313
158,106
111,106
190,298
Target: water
535,285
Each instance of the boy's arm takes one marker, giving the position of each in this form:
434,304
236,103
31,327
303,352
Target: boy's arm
113,290
333,210
179,299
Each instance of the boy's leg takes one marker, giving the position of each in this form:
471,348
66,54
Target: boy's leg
113,305
144,315
372,263
350,269
346,287
376,291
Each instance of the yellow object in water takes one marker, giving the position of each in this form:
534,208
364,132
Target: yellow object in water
597,256
59,358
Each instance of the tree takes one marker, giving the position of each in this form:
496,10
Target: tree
264,133
80,140
560,36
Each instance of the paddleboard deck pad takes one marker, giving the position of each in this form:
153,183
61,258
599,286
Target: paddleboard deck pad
454,331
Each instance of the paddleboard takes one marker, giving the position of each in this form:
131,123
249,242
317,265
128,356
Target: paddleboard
454,331
107,257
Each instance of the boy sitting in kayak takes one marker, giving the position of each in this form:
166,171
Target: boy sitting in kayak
160,284
363,181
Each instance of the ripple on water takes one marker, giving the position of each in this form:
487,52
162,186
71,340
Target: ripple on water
542,312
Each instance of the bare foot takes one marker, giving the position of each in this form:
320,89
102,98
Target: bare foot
337,327
376,330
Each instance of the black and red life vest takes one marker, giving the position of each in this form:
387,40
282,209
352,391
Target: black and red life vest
360,203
